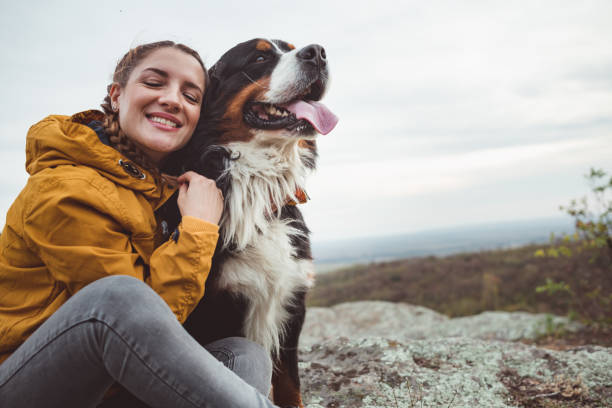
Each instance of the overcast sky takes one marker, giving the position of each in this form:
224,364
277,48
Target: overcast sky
451,113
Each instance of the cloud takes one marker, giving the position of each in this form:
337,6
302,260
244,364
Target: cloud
439,102
396,178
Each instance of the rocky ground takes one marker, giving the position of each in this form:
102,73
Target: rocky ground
380,354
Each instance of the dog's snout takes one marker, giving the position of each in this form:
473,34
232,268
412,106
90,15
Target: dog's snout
314,54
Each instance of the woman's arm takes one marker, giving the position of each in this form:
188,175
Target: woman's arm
179,268
83,229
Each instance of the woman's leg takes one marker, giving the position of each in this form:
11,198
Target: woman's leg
117,329
245,358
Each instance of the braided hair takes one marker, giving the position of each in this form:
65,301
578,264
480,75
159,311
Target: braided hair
118,139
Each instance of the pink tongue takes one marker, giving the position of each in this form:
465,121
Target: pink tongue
316,113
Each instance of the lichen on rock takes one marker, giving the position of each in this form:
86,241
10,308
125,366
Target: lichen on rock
349,361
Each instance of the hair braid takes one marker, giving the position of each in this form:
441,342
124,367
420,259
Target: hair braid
120,141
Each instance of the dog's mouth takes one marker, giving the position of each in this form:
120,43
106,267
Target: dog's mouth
303,114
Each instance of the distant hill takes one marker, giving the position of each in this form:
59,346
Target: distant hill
472,282
439,242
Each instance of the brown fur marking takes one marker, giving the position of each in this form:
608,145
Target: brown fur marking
285,392
307,144
233,125
263,45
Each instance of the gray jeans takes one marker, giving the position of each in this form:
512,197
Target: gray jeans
118,330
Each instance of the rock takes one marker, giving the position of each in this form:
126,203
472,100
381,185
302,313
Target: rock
367,319
400,321
379,354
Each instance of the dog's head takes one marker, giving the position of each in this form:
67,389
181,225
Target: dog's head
267,89
261,91
257,130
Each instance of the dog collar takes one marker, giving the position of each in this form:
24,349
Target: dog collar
301,196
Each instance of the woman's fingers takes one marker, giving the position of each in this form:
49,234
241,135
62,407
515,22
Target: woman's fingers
187,176
199,197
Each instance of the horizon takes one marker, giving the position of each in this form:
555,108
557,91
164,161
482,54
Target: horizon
552,221
332,255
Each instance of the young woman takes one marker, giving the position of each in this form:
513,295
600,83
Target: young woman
89,294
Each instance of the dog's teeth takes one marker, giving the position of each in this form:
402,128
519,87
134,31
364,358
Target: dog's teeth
273,110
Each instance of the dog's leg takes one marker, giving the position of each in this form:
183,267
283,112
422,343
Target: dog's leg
286,380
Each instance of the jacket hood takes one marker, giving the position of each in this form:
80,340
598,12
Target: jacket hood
67,140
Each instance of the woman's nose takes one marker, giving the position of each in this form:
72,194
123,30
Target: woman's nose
171,98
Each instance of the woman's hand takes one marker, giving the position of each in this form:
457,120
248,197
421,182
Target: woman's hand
199,197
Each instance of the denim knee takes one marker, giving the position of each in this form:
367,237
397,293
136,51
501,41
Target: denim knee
114,288
124,298
247,359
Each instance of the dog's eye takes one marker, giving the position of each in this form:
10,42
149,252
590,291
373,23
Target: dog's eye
260,58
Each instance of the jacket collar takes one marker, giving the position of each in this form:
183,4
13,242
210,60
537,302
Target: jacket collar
62,140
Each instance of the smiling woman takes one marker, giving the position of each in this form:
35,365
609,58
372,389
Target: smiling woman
92,291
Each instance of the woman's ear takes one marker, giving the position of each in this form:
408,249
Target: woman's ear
114,93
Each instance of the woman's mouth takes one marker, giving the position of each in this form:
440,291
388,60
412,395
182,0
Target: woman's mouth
164,121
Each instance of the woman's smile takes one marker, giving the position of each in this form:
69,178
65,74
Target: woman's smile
164,121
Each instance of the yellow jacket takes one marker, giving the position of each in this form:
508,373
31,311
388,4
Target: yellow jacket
83,216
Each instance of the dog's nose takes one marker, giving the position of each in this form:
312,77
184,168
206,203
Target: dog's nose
313,54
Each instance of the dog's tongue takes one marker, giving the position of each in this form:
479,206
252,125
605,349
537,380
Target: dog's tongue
316,113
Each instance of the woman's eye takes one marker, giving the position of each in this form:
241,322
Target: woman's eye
191,98
152,84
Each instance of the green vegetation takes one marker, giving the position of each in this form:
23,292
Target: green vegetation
593,236
593,220
471,283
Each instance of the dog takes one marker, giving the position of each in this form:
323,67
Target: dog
257,138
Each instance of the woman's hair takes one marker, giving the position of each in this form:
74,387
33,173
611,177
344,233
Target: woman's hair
118,139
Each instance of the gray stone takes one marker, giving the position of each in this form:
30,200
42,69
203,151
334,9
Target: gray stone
402,321
379,354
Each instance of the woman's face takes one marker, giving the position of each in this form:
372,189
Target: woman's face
159,106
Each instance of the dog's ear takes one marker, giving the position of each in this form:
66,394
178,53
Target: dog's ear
216,70
214,73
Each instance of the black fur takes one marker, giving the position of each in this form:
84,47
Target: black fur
220,314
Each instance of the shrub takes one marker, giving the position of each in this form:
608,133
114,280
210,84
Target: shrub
593,237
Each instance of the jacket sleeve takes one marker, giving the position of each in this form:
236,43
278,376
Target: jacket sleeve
179,268
81,236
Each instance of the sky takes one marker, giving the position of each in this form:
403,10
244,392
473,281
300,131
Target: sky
451,113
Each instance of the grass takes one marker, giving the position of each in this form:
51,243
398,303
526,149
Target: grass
470,283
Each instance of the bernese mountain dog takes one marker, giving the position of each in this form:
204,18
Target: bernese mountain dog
257,138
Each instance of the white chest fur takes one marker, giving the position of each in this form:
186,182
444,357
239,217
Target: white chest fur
268,276
263,267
